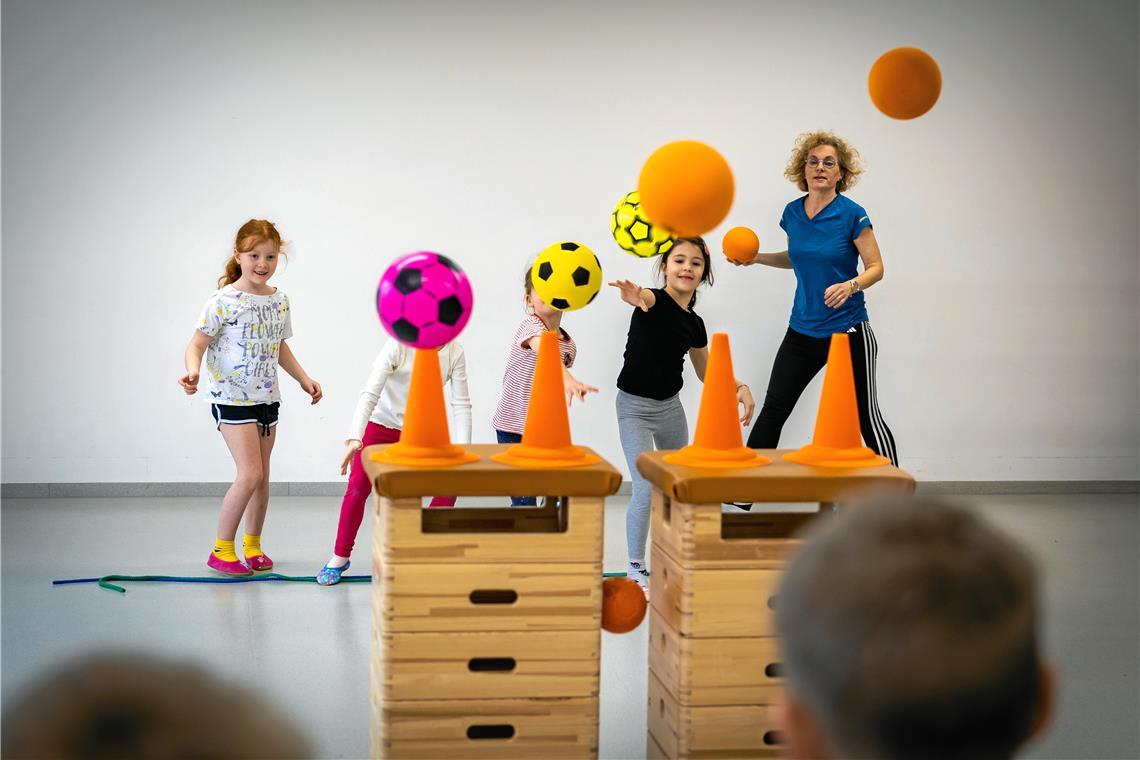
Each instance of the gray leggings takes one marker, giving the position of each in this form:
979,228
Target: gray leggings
645,424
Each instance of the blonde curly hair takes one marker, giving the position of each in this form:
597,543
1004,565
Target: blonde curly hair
849,162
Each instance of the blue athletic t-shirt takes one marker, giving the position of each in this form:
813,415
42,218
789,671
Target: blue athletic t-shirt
823,253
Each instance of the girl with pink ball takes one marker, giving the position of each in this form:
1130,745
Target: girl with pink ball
424,301
378,418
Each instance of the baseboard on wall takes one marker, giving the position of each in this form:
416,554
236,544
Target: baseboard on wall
336,488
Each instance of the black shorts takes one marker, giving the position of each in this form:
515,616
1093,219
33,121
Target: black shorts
263,415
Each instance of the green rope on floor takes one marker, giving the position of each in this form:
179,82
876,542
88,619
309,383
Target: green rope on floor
105,581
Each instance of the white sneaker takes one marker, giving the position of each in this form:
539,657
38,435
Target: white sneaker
636,572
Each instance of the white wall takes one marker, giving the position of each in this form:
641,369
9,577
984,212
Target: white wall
138,136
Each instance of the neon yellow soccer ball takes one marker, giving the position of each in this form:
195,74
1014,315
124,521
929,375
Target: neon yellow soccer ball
633,232
566,276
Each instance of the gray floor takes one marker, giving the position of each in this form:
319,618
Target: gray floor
308,646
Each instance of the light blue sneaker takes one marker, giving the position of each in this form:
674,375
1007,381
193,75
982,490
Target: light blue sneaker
330,576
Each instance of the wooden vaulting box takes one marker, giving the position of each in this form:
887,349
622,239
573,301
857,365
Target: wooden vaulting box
487,620
715,675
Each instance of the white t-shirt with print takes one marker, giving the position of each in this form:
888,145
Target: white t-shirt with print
247,330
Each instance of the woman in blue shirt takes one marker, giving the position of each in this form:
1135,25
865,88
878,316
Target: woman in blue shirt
828,234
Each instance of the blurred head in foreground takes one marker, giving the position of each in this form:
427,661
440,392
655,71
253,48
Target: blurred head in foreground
909,630
129,706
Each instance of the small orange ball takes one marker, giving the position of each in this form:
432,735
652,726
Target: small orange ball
686,188
623,605
904,83
741,245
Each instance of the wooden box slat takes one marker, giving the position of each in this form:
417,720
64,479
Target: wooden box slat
713,603
542,728
546,596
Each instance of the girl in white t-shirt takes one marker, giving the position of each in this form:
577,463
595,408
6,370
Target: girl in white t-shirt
379,418
242,332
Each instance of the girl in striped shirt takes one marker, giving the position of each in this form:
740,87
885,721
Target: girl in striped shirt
510,413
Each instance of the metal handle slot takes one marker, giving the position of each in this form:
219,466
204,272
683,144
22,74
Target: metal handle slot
493,596
491,664
774,670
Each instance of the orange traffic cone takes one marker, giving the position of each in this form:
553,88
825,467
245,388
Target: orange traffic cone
546,436
425,442
718,442
837,441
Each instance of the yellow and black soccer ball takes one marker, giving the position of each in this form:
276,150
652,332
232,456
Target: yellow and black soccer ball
633,232
566,276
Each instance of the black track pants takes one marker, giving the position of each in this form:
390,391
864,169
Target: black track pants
799,359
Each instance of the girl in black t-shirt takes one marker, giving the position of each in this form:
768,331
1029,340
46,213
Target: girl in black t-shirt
662,329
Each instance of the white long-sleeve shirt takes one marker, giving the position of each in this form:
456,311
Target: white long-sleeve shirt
385,395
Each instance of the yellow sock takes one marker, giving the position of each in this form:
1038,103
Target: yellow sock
224,550
251,545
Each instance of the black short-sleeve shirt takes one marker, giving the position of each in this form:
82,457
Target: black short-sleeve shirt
656,346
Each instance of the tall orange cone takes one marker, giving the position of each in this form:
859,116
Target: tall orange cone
546,436
718,442
425,441
837,441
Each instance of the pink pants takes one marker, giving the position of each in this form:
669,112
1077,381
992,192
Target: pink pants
359,489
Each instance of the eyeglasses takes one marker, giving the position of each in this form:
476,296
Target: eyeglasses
828,163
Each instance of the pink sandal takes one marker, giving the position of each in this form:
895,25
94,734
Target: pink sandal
227,568
260,562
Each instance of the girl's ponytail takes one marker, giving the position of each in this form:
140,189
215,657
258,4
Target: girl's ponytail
231,274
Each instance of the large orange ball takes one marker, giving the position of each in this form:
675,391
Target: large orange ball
623,605
741,245
686,188
904,83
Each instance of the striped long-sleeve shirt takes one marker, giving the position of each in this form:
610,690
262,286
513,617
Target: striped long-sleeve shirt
510,413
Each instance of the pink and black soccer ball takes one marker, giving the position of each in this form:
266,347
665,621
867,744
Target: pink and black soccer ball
424,300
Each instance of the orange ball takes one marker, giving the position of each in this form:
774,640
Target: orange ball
741,245
686,188
623,605
904,83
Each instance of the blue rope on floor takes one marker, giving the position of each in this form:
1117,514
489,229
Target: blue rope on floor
105,581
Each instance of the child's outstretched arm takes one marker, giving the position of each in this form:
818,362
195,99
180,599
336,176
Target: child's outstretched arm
193,358
700,359
575,387
288,362
635,295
